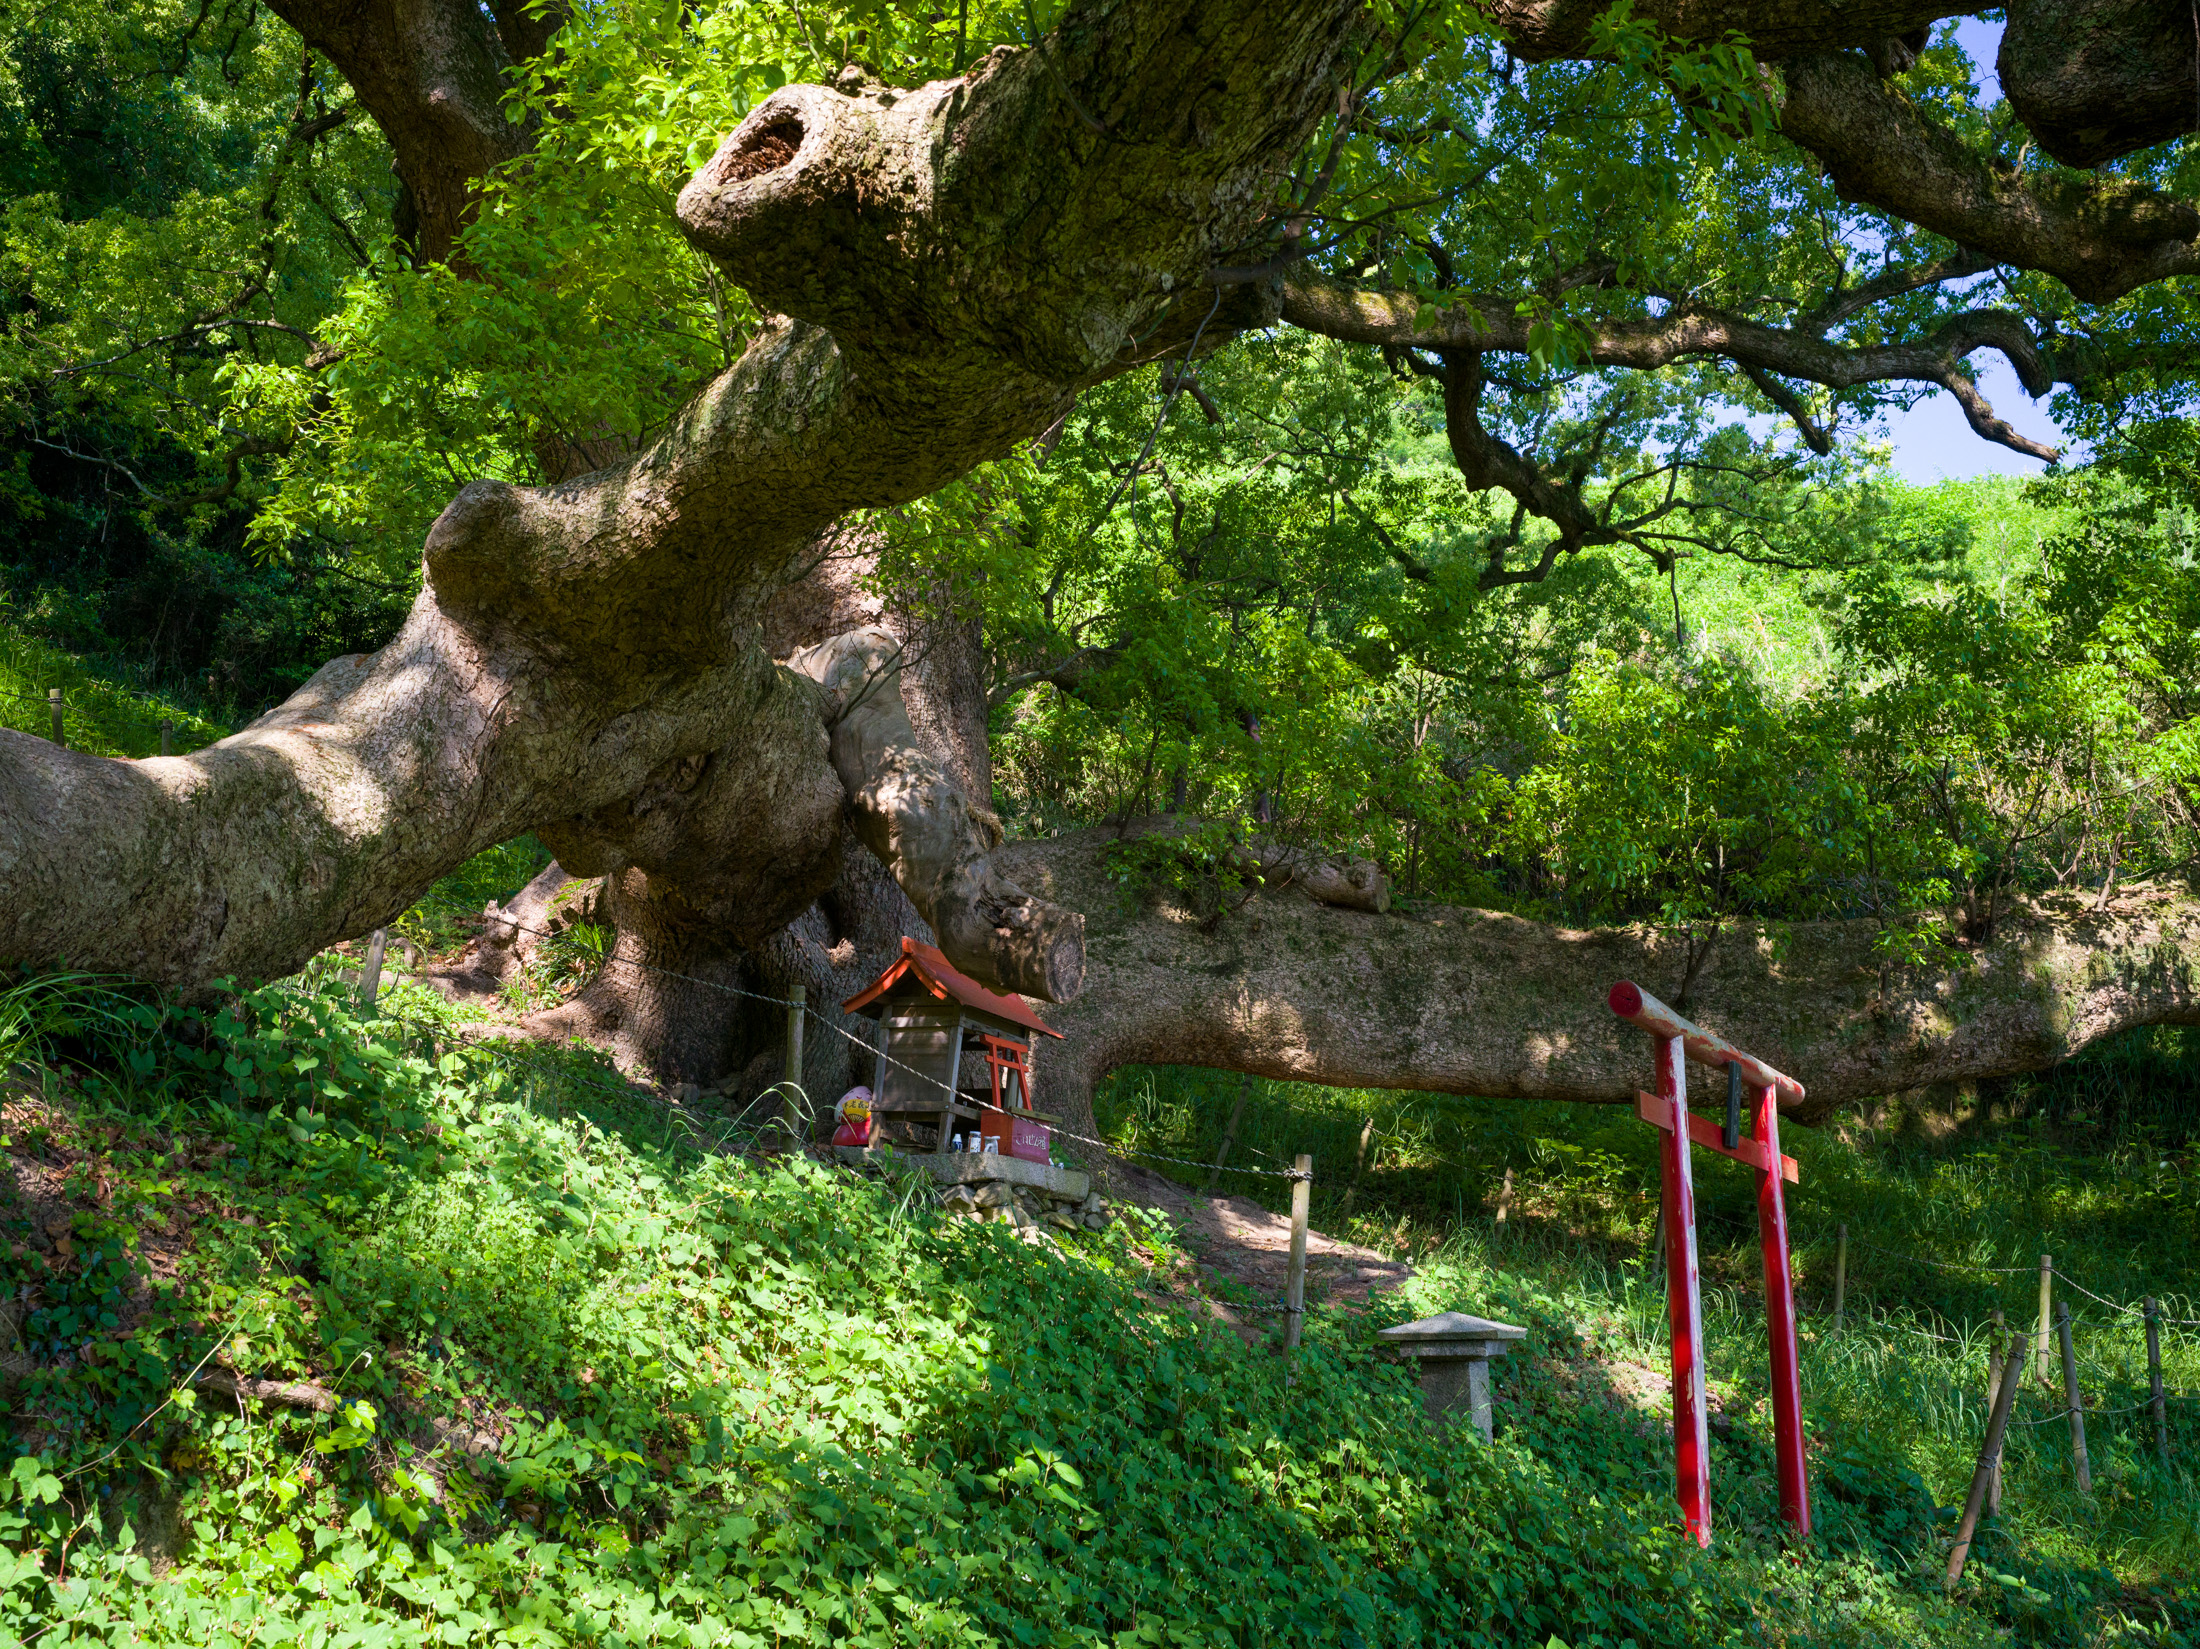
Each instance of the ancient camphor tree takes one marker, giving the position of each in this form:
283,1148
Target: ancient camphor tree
668,670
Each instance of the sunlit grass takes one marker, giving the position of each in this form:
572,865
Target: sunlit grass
2093,1165
99,714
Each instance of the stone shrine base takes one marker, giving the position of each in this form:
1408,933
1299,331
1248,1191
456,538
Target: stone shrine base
1028,1195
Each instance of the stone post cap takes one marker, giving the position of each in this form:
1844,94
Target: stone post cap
1452,1333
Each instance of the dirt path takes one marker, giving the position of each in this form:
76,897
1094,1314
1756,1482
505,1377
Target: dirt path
1235,1240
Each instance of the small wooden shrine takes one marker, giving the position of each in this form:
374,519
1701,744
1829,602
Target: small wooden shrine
951,1053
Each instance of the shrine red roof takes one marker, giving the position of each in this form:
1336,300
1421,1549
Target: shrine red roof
935,973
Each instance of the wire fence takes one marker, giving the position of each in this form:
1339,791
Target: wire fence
793,1091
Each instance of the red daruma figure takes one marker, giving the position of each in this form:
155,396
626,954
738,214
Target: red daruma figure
853,1113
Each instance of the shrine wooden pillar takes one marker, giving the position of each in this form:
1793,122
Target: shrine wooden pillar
1675,1041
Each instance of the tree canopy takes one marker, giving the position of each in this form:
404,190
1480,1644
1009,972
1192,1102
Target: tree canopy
1415,468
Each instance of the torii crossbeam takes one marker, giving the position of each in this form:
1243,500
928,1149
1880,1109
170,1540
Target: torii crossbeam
1674,1042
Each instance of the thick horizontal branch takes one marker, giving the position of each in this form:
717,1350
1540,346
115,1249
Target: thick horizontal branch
1491,326
2100,236
1540,30
1475,1002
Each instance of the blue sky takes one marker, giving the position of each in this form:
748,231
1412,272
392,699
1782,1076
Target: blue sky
1931,440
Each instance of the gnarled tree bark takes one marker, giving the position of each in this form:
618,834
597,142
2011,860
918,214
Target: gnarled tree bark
586,658
1476,1002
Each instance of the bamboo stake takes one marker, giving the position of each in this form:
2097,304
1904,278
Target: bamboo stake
2081,1469
1229,1135
1505,1198
2047,1316
53,703
1294,1287
1840,1274
1359,1167
1989,1459
2154,1380
1995,1340
167,737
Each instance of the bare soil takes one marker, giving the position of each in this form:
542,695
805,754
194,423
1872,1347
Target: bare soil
1238,1244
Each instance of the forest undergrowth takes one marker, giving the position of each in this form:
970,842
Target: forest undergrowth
598,1370
1949,1201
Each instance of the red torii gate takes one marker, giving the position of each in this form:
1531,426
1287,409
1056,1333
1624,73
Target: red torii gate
1675,1042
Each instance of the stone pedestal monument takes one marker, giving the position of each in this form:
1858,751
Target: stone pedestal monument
1454,1352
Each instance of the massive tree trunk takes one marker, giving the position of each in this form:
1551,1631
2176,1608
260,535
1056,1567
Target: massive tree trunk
952,264
1476,1002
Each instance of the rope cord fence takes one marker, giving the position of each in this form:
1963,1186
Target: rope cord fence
1942,1265
1967,1342
926,1077
1289,1308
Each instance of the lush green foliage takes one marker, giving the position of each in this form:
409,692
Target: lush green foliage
1278,619
98,714
760,1402
175,225
2094,1164
741,1396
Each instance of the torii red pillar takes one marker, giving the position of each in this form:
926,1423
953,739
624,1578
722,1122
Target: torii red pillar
1684,1294
1674,1042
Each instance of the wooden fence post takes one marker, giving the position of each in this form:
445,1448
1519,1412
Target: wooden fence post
1229,1135
1989,1459
1294,1285
167,737
2081,1469
2047,1317
797,1007
370,972
1840,1274
53,703
2154,1379
1996,1338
